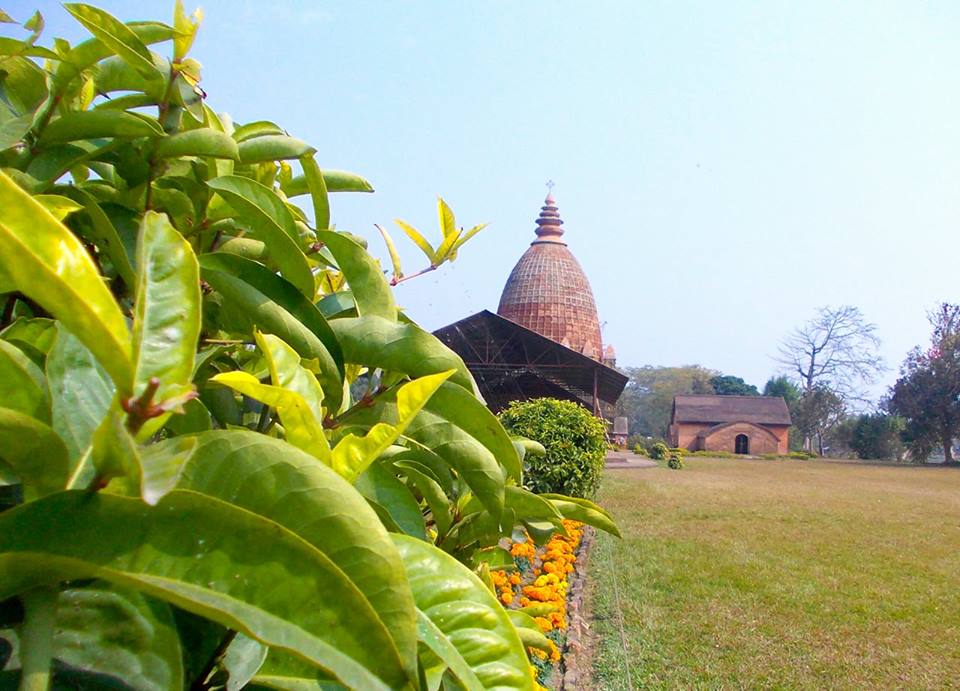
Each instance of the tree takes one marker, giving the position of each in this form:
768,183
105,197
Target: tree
783,387
877,435
837,349
926,394
648,396
727,385
178,343
817,411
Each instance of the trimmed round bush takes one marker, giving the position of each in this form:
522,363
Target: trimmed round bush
675,462
574,439
659,451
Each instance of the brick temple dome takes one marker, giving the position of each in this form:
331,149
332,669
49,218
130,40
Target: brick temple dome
548,292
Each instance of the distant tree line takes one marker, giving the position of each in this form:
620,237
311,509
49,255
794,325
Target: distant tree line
828,365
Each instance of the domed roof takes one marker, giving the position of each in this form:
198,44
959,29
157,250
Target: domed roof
548,292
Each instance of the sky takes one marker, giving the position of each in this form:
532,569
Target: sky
723,169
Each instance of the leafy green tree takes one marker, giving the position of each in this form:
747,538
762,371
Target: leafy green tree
927,393
648,397
817,412
203,498
877,435
728,385
783,387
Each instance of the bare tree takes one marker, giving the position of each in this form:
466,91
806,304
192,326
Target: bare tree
837,349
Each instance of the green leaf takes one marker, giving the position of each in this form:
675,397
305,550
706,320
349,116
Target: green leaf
185,28
114,452
272,479
392,249
39,333
242,660
13,130
418,240
195,418
531,507
256,129
352,454
90,124
47,262
398,347
468,412
369,286
103,233
457,603
10,46
204,141
529,632
116,36
276,307
583,510
318,191
83,394
301,425
384,491
335,181
34,452
448,224
22,384
116,633
166,321
59,206
270,218
273,147
466,236
86,54
194,551
287,372
443,648
432,492
475,464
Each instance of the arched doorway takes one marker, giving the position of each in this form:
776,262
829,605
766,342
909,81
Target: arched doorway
741,444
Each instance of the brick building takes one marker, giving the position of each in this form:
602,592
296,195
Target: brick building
736,424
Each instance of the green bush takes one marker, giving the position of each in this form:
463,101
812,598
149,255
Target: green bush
713,454
573,438
659,451
640,450
675,462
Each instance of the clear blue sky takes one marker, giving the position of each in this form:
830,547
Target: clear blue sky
723,168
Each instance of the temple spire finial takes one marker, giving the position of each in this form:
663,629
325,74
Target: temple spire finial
549,222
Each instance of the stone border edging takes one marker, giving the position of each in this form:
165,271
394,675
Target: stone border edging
573,648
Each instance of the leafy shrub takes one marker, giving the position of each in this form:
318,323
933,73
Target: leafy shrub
573,438
678,450
659,451
713,454
153,255
640,450
675,461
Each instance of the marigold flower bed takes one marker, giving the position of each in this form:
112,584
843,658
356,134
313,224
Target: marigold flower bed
539,585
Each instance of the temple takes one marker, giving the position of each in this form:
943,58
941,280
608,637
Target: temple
545,338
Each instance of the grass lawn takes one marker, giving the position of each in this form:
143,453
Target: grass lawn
779,574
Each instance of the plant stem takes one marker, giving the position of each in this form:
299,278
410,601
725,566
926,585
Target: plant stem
202,682
36,646
400,279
